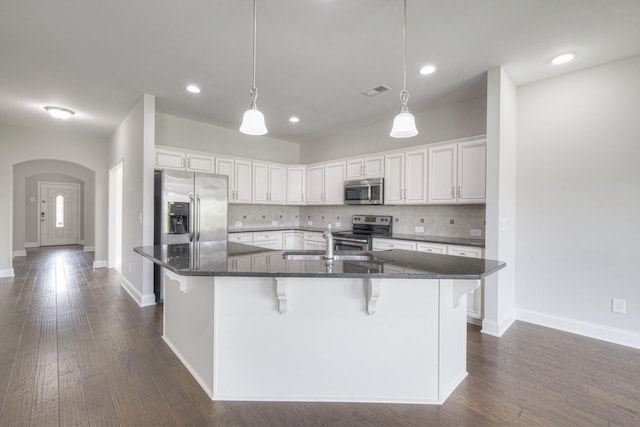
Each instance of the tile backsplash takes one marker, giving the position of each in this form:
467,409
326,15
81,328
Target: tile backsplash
437,220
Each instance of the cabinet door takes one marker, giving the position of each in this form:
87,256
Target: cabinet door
442,174
433,248
200,163
243,181
394,179
334,183
296,178
355,169
374,167
415,177
315,184
472,171
167,159
260,183
276,184
226,167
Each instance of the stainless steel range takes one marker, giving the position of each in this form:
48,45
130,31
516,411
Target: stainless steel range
365,228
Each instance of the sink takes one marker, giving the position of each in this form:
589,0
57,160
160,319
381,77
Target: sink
319,256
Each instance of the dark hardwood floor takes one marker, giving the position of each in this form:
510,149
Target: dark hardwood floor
76,350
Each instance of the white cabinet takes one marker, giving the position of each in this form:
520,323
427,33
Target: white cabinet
406,177
386,244
314,241
292,240
296,179
474,299
173,159
268,239
325,184
368,167
246,238
457,172
239,173
268,183
433,248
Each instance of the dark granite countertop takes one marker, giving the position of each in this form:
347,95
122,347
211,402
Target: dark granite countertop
235,259
460,241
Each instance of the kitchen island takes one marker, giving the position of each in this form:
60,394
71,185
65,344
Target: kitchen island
255,324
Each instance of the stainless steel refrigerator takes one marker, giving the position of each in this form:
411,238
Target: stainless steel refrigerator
190,207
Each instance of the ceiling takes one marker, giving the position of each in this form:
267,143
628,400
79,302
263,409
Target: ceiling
314,57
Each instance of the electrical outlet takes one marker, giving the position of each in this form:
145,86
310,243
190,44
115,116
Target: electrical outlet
309,222
419,229
238,223
337,224
618,305
475,232
274,222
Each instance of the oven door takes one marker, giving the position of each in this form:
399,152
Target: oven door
345,244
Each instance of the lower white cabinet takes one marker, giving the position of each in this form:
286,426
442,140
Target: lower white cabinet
386,244
314,241
433,248
292,240
246,238
269,240
474,299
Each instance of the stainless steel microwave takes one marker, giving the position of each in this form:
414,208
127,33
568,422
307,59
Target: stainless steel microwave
364,192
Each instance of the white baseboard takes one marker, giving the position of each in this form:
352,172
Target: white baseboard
591,330
101,263
22,252
89,249
31,245
496,329
142,300
7,273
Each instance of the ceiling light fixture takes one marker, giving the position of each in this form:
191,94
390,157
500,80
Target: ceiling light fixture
253,119
404,124
426,70
193,89
294,119
562,59
59,112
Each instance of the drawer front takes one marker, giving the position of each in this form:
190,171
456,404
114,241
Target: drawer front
241,237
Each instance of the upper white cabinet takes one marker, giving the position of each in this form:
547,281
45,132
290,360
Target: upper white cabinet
369,167
457,172
239,173
268,183
406,177
170,159
296,180
325,184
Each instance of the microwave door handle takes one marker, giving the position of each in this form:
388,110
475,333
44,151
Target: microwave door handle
368,192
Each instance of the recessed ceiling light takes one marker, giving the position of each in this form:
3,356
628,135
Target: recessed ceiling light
193,89
294,119
426,70
562,59
59,112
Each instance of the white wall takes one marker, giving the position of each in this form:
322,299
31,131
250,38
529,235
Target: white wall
132,143
19,144
578,206
438,124
188,134
499,289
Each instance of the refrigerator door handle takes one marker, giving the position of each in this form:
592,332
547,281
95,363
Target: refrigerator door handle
197,217
192,214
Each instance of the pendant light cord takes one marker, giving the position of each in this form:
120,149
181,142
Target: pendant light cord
254,91
404,94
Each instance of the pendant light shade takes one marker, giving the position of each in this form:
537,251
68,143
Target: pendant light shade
404,124
253,119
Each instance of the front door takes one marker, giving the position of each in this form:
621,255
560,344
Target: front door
59,213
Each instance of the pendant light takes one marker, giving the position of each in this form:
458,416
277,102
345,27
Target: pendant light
253,120
404,124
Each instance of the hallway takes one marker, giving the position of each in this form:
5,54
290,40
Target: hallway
76,350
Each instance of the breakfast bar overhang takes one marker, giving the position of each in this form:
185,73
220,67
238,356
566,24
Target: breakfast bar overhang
258,325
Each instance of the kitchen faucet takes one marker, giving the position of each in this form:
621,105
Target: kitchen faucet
329,237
